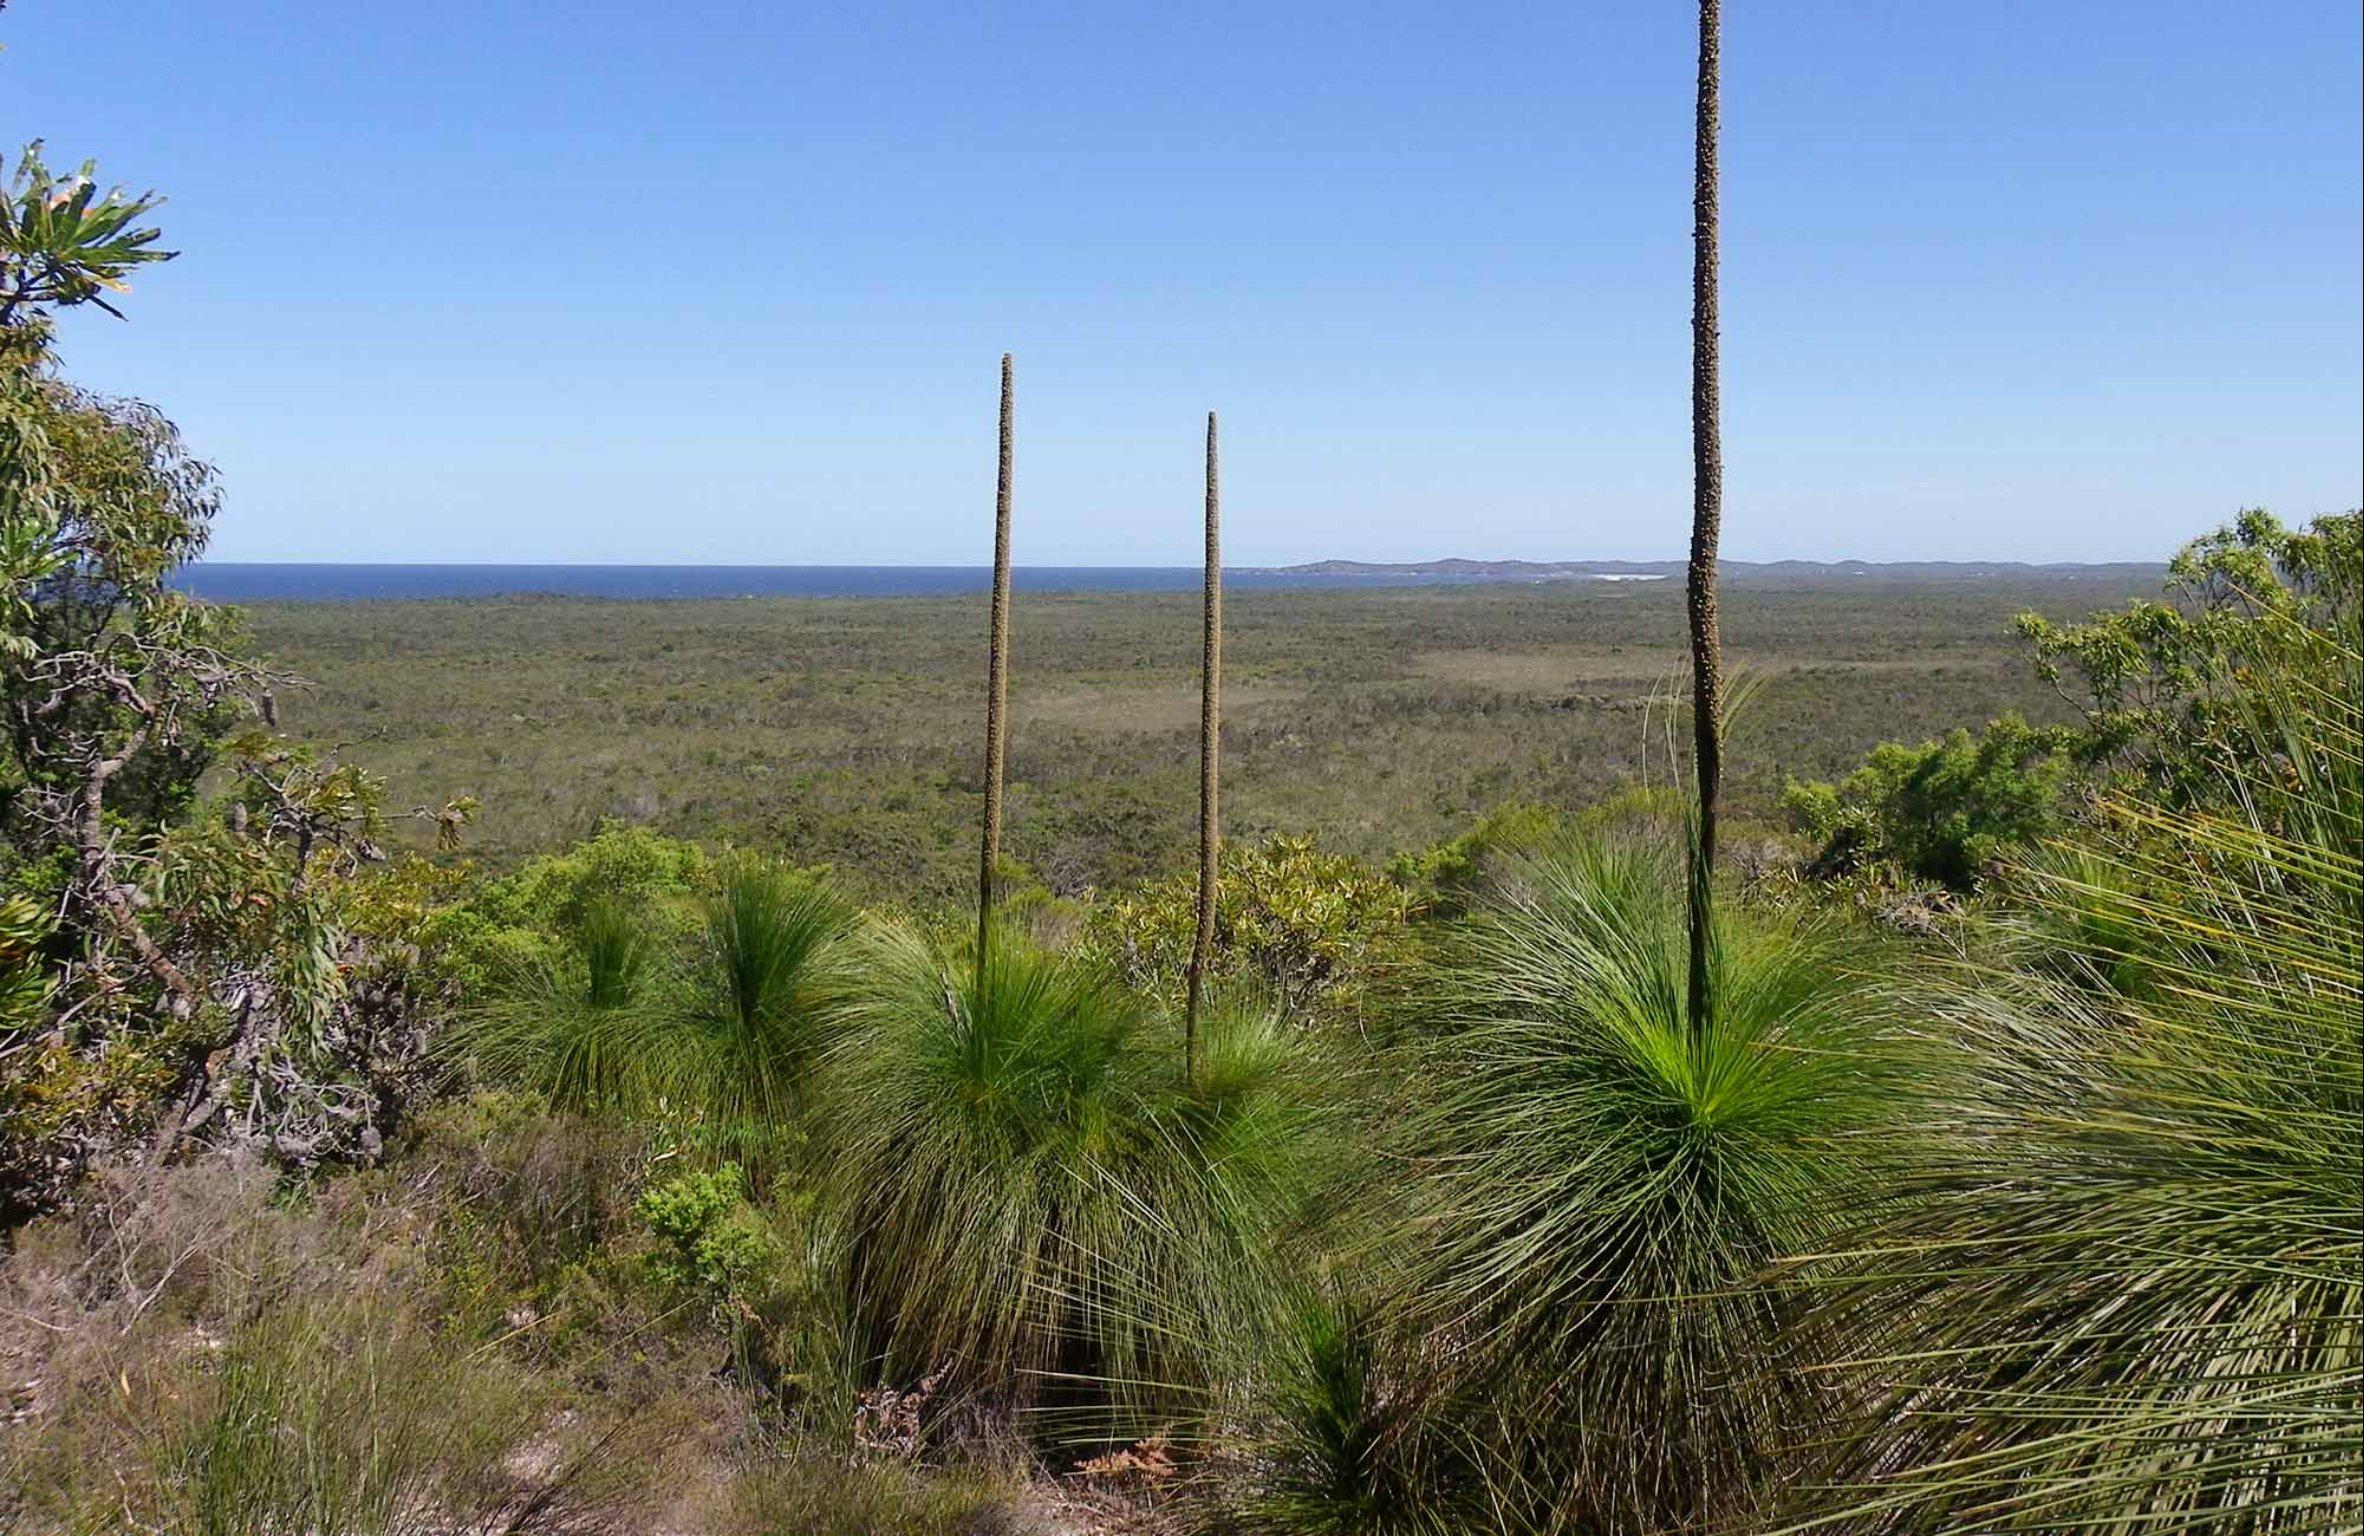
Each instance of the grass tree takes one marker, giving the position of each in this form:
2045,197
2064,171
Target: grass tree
1210,734
1707,515
2127,1297
753,1005
1643,1106
565,1025
1030,1200
715,1036
1606,1186
997,673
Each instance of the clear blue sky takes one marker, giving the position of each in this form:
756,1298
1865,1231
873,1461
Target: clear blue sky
728,282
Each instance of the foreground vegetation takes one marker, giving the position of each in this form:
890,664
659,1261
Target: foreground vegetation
1994,1167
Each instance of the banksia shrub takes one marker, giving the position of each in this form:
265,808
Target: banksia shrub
1313,930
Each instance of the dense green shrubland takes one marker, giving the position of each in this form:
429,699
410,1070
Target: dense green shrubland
842,732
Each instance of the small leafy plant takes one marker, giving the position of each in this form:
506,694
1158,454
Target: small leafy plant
708,1237
1313,928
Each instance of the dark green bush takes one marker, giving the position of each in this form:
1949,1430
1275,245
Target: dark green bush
1946,811
703,1228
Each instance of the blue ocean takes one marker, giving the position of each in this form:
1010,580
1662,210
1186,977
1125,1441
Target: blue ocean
232,582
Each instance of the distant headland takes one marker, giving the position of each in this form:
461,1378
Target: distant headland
1768,572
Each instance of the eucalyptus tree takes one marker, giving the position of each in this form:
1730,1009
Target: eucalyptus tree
180,963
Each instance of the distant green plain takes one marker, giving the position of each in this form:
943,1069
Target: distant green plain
846,731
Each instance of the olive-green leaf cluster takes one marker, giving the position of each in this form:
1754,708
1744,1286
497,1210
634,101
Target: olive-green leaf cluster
1315,928
2190,694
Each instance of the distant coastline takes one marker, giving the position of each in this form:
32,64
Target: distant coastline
1654,570
266,582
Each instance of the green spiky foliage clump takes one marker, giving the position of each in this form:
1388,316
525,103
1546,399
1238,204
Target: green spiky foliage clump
716,1034
1353,1430
1607,1187
2128,1298
563,1025
1032,1199
758,998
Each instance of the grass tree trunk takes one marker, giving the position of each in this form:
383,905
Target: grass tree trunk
997,678
1707,511
1210,742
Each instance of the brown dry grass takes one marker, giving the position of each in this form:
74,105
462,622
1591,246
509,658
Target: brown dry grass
447,1344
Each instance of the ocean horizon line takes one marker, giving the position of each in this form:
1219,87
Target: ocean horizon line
254,581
